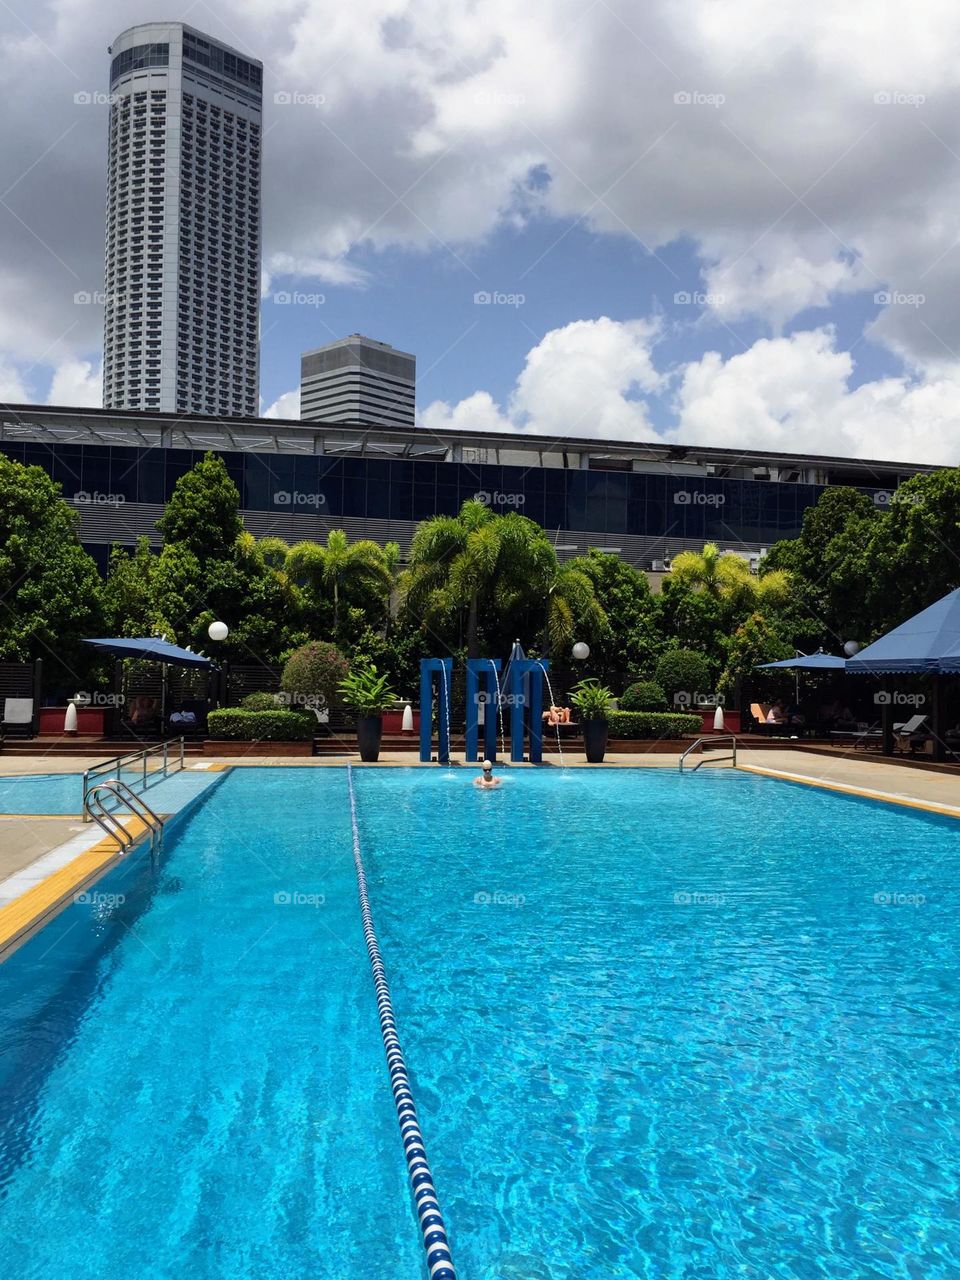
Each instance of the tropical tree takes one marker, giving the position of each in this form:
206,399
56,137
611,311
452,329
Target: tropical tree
630,638
755,641
572,607
210,568
203,513
127,593
477,558
727,576
49,586
339,567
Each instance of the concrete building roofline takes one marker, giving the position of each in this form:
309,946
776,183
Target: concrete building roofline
647,450
352,340
165,24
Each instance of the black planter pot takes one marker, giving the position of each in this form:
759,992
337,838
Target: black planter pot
595,740
369,733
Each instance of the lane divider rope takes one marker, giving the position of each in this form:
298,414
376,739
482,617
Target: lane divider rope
439,1259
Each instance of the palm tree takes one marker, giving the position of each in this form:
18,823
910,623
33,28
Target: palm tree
334,568
571,604
477,557
727,576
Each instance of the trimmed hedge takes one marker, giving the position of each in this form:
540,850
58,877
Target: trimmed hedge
645,695
651,724
259,702
261,726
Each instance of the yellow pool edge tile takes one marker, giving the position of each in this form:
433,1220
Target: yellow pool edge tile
886,797
20,918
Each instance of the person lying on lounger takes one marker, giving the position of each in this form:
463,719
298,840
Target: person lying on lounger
557,715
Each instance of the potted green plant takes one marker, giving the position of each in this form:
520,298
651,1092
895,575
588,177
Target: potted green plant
369,695
592,701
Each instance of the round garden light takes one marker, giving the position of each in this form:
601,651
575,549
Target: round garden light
581,650
218,631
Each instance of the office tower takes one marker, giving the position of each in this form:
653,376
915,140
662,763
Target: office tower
181,331
359,380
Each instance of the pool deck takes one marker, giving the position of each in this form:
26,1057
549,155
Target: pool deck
46,860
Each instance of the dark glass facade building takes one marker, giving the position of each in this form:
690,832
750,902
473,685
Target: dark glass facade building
297,480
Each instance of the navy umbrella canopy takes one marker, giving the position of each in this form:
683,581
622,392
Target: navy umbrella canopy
807,662
153,648
926,644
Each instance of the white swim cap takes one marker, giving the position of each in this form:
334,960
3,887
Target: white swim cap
486,766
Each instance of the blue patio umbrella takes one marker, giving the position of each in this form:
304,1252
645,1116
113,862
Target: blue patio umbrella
926,644
819,661
807,662
152,649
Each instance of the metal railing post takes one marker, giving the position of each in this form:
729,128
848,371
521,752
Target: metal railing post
181,752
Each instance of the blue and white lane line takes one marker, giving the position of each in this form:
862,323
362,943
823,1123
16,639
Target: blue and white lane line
439,1260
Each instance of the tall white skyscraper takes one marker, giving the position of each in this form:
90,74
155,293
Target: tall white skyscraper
357,379
181,333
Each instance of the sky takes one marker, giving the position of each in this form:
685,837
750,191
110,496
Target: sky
721,222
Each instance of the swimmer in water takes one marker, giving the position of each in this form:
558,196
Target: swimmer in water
486,779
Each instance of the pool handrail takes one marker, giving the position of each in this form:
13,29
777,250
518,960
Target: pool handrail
108,820
131,758
711,737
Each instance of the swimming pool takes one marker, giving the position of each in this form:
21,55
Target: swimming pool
62,793
657,1026
41,793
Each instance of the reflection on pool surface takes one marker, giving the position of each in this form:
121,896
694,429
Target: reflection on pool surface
657,1026
42,793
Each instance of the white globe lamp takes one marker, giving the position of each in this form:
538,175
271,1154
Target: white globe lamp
851,648
218,631
581,651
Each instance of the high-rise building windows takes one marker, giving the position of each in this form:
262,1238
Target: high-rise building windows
178,184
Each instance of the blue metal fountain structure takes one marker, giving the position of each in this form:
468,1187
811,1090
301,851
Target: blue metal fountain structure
525,699
482,672
443,667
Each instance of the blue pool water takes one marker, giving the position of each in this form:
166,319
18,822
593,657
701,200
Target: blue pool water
658,1026
63,792
42,793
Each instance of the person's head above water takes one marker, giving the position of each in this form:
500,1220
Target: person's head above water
487,767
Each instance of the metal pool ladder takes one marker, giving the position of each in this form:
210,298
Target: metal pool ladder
107,819
713,737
